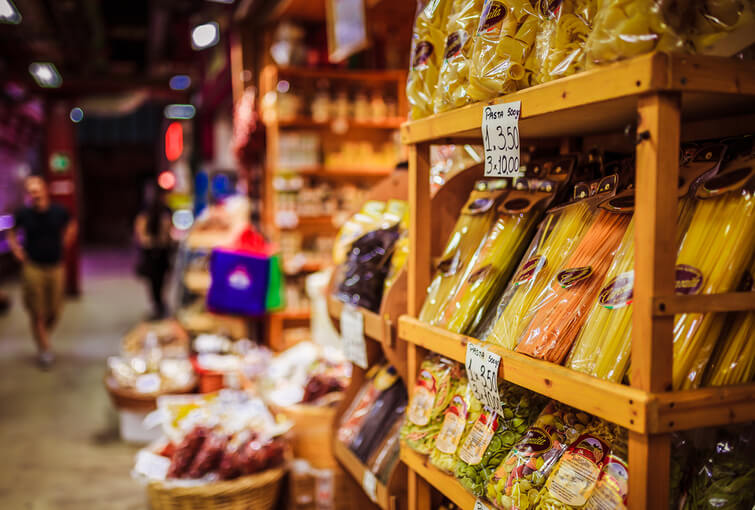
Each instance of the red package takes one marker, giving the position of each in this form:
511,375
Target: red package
186,451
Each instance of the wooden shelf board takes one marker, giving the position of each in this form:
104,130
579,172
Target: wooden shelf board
319,224
305,122
356,469
690,409
337,172
605,99
291,315
197,281
727,302
368,75
375,327
445,483
617,403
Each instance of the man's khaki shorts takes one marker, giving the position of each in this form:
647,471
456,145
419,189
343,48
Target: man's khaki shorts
43,290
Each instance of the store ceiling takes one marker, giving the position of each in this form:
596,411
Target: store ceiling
103,43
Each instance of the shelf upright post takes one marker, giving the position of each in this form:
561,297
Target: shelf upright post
657,171
418,267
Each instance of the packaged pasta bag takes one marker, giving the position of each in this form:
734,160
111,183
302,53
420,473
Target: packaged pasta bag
560,310
576,478
368,218
627,28
379,378
560,43
400,251
495,261
474,222
436,384
493,434
453,78
603,345
557,236
426,56
612,489
517,480
389,407
714,253
458,418
714,21
386,454
505,38
682,459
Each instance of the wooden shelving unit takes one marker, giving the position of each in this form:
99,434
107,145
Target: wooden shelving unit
667,97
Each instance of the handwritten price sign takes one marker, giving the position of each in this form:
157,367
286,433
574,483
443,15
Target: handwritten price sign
482,373
500,136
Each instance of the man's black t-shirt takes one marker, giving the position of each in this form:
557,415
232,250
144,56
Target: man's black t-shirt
43,233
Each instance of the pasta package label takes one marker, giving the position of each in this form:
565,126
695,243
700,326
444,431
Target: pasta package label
618,292
570,277
612,488
529,269
423,398
453,425
479,437
422,53
491,18
577,472
454,43
689,280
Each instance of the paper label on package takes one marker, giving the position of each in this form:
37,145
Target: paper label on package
369,483
500,138
147,383
479,437
352,332
482,372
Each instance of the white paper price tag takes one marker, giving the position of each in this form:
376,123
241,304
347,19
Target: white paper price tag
147,383
479,505
482,373
500,136
352,332
369,482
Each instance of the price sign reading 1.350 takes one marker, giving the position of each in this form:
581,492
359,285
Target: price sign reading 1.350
500,136
482,373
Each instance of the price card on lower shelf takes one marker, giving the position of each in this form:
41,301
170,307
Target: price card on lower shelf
369,483
482,373
500,137
352,332
479,505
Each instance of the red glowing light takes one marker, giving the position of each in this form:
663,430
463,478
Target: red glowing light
174,141
166,180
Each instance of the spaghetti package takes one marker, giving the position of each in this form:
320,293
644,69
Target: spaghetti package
565,301
388,408
518,479
560,43
427,46
453,79
492,436
458,418
474,222
715,252
518,216
379,379
436,385
557,236
505,38
603,346
627,28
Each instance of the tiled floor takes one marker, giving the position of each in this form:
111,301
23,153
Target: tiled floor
59,445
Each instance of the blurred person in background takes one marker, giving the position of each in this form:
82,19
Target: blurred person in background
152,230
48,231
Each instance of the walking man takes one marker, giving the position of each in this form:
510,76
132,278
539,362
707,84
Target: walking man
48,232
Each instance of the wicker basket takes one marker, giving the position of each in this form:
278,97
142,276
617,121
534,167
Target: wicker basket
126,398
254,492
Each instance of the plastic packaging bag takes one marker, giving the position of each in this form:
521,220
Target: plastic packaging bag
387,409
453,78
713,20
436,384
627,28
563,305
474,222
520,476
505,37
458,418
427,46
368,218
386,454
379,379
493,435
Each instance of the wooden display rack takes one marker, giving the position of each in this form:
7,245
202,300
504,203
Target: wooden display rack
667,96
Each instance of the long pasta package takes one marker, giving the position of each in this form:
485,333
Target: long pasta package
516,482
428,39
505,38
603,346
380,378
560,42
561,308
461,414
474,222
714,254
453,78
556,237
518,216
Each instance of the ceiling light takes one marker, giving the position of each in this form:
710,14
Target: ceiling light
76,115
179,111
166,180
45,74
205,35
9,13
180,82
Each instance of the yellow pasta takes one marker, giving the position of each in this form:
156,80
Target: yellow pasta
714,19
565,29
